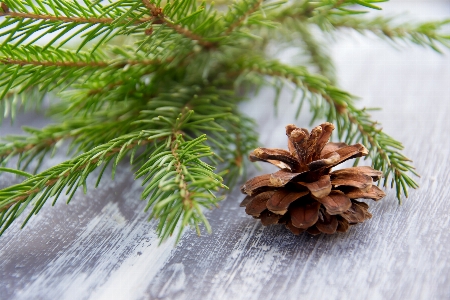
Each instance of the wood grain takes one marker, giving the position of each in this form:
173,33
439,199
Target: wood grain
101,247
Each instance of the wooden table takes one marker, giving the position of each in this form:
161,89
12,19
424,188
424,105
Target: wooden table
101,247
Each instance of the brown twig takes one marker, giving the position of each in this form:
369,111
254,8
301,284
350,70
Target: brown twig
154,10
187,201
66,19
79,64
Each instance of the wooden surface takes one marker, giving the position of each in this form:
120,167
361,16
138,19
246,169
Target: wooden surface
101,247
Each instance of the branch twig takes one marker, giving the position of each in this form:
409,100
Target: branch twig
243,17
157,13
79,64
66,19
54,180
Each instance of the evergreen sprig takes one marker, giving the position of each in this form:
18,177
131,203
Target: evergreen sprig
159,82
431,34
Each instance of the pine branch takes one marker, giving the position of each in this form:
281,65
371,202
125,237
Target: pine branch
248,9
318,12
72,173
327,7
157,114
384,150
425,34
88,131
31,147
28,66
178,182
181,192
158,14
68,20
85,133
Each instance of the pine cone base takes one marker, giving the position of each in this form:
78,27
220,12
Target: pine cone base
305,195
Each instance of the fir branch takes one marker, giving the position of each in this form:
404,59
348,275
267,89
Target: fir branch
424,34
327,7
245,12
66,19
27,22
28,66
318,12
384,150
158,14
85,133
183,194
158,116
73,64
72,173
78,64
179,183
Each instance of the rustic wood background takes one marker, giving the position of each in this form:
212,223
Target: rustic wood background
101,247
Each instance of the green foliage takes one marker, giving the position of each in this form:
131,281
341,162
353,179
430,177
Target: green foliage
70,19
431,34
180,184
159,82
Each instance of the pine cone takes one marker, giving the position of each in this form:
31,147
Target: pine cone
305,195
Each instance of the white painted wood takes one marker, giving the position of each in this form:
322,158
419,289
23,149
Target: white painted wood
101,247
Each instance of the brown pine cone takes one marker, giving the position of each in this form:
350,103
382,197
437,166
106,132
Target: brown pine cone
305,195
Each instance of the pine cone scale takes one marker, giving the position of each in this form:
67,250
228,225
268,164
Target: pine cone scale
335,203
269,218
305,195
258,203
278,157
306,215
280,200
375,193
282,177
357,213
368,171
294,229
319,188
327,223
348,152
246,201
361,181
328,162
256,184
331,147
343,225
